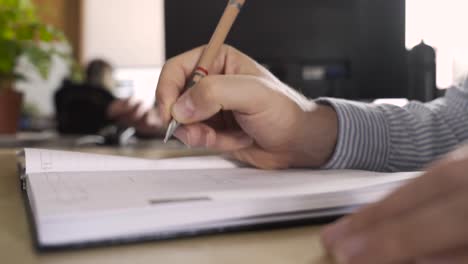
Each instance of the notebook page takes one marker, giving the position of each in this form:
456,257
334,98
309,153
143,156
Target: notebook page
141,222
81,192
43,160
104,222
106,205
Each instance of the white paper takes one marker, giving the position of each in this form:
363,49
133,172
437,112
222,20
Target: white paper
43,160
85,197
59,192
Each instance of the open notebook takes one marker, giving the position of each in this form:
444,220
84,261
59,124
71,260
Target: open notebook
79,199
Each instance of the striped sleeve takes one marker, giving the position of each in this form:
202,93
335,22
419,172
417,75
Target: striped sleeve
391,138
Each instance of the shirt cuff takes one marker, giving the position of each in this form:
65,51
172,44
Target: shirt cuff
363,136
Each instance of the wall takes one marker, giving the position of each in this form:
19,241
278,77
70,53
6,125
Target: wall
441,24
126,32
65,15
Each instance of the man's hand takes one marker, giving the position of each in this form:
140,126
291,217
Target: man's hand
242,109
129,112
423,222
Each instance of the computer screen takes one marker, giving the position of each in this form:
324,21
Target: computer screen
345,48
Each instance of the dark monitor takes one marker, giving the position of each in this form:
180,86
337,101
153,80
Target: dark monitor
344,48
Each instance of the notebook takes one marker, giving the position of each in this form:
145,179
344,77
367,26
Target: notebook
80,199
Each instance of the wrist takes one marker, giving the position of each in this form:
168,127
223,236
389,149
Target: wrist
316,137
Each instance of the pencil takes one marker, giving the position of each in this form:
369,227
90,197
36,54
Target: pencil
211,51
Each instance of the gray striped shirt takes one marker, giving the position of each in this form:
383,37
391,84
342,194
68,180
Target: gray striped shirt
392,138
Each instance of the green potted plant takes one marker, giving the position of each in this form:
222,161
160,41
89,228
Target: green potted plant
22,34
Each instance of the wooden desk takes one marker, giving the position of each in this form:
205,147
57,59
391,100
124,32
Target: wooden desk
294,245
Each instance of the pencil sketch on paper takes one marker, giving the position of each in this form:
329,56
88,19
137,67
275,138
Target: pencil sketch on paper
46,160
66,190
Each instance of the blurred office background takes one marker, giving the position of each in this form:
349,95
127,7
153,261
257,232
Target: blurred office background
359,49
128,34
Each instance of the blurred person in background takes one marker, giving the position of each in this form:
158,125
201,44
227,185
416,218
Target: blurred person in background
89,107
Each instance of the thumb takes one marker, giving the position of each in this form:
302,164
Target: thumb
240,93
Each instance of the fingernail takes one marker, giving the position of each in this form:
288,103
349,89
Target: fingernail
351,248
182,134
333,232
184,108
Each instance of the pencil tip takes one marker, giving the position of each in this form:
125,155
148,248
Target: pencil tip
166,138
170,130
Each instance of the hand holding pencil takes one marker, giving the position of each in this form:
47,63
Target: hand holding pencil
211,51
241,109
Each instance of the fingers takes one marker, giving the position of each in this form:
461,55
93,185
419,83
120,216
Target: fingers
238,144
172,80
175,73
459,256
202,135
436,227
119,107
439,181
242,94
178,69
150,124
127,111
420,219
132,116
262,159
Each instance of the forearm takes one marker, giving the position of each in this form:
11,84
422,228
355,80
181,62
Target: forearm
363,136
315,138
391,138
